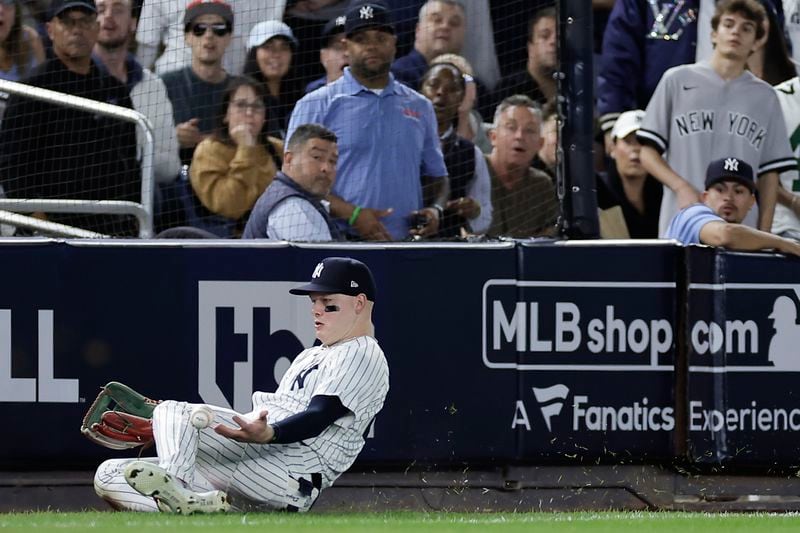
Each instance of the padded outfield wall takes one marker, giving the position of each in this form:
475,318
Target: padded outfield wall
508,353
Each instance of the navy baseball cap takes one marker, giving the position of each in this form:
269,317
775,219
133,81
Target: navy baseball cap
332,28
368,16
59,6
340,275
730,169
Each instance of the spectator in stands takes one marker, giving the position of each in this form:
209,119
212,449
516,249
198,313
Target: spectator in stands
688,119
642,41
716,221
162,24
51,151
332,53
440,30
293,207
771,61
470,123
627,184
196,90
147,91
235,165
21,48
469,205
307,19
511,22
523,198
269,59
536,81
387,135
479,36
791,13
786,222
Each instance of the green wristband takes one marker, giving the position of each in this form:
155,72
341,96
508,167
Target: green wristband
354,216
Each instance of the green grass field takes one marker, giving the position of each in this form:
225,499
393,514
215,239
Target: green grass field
407,522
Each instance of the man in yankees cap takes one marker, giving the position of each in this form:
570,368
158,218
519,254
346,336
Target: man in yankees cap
294,443
388,143
729,194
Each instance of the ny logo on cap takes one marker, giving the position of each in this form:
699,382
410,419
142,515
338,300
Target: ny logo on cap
732,164
365,12
317,270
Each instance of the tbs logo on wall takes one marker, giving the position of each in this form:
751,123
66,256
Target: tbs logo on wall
248,334
541,325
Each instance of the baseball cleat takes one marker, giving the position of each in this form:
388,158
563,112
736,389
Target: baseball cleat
171,497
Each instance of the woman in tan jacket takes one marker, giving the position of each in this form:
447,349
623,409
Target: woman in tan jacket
232,167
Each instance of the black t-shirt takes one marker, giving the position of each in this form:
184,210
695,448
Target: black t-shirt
610,193
193,97
51,151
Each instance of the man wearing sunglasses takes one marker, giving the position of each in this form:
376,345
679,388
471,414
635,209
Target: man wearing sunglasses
160,43
196,91
50,151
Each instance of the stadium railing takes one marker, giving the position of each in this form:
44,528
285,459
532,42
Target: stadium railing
143,210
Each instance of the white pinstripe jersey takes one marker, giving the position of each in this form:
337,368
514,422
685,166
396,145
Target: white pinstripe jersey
789,96
695,117
356,372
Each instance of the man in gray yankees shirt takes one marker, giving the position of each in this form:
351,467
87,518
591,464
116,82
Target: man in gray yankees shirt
294,443
714,109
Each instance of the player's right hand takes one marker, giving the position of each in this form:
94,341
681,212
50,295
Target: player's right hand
369,226
189,133
254,431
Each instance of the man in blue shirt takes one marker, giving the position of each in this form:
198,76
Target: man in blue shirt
388,141
729,194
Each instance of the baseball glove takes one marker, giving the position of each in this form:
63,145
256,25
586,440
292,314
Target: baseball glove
119,418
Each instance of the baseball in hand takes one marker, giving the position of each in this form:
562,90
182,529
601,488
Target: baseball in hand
202,417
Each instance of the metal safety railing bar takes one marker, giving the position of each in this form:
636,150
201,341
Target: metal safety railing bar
143,211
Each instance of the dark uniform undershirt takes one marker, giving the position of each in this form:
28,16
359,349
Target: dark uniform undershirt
321,412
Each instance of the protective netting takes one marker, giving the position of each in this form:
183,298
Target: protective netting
219,141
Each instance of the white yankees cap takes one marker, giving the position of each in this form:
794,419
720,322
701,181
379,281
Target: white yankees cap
627,123
340,275
269,29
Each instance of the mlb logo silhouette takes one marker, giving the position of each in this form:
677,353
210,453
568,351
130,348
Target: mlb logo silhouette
784,347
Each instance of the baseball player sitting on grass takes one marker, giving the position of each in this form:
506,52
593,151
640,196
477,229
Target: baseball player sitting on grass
729,195
294,443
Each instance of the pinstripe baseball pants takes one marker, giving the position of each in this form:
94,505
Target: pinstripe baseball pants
255,476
